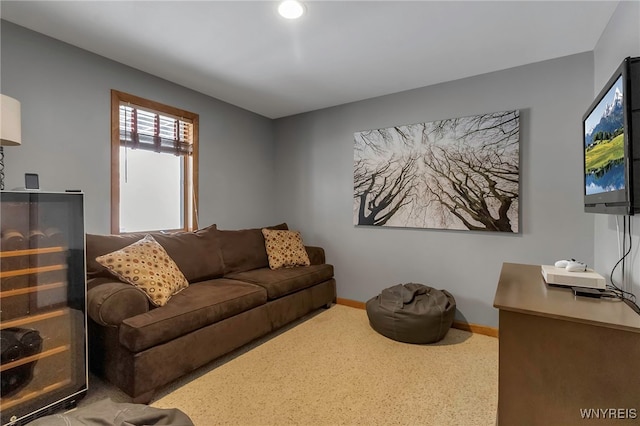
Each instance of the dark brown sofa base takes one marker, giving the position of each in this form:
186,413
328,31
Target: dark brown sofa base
140,374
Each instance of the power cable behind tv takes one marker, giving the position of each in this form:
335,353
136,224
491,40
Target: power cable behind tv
626,296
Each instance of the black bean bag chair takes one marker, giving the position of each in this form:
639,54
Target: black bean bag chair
412,313
107,412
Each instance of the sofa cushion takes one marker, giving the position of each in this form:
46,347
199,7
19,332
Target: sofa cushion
280,282
98,245
244,249
146,265
285,249
199,305
197,254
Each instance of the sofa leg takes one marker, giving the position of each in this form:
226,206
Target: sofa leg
144,398
327,305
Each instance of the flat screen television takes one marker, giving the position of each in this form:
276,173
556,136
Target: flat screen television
611,144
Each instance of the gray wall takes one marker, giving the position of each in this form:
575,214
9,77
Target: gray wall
621,38
65,97
315,180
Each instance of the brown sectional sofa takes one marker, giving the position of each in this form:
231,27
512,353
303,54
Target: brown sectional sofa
233,298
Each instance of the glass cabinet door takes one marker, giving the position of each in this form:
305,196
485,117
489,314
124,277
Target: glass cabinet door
43,362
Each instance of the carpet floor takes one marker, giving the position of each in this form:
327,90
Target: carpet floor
333,369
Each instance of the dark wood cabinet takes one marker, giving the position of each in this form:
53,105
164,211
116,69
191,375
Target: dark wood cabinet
564,360
43,365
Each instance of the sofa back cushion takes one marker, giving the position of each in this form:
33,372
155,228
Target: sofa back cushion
99,245
197,254
244,249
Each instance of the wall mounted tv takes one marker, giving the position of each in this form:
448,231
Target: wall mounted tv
611,144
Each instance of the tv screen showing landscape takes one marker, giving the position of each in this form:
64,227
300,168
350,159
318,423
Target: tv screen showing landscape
604,143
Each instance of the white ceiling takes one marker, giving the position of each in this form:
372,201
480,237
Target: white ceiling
242,52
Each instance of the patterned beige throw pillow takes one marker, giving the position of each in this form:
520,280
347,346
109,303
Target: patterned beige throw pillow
285,249
146,265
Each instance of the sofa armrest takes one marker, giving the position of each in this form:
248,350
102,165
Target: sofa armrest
109,302
316,255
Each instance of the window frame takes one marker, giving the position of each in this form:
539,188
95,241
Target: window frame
190,203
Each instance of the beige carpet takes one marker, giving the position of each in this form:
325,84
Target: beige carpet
333,369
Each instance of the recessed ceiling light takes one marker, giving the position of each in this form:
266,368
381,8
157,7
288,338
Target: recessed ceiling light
291,9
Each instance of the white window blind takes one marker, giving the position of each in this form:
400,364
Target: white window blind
150,131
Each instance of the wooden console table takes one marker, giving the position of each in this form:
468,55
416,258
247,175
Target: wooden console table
560,354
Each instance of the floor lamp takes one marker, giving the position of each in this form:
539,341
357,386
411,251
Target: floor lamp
10,128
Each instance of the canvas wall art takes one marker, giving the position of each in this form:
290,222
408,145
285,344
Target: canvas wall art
459,173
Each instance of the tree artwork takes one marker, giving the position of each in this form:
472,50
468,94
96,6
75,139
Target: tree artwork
460,173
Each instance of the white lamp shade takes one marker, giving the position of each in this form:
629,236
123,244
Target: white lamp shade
10,125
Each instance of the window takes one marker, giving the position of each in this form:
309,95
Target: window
154,166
